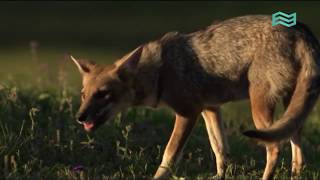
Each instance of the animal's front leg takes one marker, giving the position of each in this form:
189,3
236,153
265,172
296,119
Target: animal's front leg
217,139
182,129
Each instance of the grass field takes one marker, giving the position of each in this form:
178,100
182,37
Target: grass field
40,93
40,139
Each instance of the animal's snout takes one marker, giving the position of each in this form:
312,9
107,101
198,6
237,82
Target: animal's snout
81,117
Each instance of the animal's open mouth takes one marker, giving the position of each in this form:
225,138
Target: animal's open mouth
89,125
93,123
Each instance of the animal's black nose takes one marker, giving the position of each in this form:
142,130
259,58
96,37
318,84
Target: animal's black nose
81,117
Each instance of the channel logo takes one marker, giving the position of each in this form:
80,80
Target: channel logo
284,19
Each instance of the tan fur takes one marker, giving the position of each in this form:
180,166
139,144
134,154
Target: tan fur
217,138
181,131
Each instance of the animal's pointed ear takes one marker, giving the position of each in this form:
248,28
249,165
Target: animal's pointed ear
83,65
129,64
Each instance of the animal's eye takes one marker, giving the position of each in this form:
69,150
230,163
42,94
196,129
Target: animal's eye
101,93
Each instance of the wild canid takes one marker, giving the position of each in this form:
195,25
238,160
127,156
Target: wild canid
239,58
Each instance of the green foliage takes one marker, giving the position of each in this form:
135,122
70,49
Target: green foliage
40,139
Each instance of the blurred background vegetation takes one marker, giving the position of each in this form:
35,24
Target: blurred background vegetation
104,31
39,91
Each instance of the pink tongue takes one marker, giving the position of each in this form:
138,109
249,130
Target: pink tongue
88,125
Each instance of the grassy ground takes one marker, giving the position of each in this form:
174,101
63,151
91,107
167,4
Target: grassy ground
39,138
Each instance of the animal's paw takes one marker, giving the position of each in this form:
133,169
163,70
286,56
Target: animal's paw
162,173
178,178
217,177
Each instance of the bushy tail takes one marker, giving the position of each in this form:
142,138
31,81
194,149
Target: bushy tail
302,101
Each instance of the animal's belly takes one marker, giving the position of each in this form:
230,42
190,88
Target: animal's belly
220,93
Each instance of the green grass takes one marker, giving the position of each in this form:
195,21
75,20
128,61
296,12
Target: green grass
40,139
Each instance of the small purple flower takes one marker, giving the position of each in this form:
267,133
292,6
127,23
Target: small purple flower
78,168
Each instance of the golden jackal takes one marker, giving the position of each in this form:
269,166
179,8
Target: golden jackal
239,58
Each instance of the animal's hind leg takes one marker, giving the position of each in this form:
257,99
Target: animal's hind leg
297,155
262,108
296,148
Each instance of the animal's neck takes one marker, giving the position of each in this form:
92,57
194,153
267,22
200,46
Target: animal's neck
147,85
